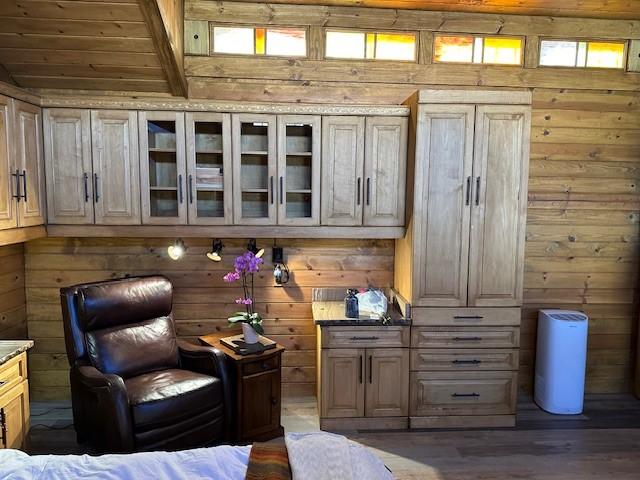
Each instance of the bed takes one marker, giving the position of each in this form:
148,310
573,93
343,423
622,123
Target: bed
311,456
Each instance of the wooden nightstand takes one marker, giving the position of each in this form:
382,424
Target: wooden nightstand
256,382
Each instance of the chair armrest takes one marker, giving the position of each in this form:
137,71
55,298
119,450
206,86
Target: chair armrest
208,361
108,402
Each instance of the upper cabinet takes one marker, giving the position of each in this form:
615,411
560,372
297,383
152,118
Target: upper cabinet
8,175
467,229
27,133
162,168
364,170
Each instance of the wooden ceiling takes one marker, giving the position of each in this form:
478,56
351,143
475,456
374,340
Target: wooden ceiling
611,9
83,44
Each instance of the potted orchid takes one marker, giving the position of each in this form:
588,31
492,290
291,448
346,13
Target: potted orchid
245,266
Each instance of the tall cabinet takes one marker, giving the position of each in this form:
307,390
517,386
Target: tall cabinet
461,262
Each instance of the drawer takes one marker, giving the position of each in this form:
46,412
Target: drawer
261,366
364,337
465,337
12,373
466,316
463,393
469,359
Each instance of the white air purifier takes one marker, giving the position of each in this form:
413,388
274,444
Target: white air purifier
561,359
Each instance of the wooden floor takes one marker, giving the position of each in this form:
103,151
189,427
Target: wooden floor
602,444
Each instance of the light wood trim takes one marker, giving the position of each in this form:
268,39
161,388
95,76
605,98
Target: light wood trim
464,422
8,205
465,337
19,94
226,231
21,235
363,423
168,104
466,317
464,359
475,96
365,337
191,118
164,19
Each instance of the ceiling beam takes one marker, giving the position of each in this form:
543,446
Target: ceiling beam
165,20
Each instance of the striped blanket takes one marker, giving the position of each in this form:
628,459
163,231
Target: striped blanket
269,461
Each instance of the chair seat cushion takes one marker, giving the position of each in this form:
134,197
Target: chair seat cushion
167,396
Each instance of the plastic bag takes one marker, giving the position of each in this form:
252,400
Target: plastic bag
372,303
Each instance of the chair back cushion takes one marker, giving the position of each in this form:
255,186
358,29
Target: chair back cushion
121,326
134,349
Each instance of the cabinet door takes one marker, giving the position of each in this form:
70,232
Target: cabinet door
162,168
28,148
116,167
342,383
342,170
254,169
385,166
14,413
444,156
8,175
260,404
67,151
298,170
209,168
499,205
387,392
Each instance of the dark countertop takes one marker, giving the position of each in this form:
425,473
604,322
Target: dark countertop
331,313
13,348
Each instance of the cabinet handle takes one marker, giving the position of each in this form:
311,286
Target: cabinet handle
17,196
180,192
281,190
466,362
2,382
96,192
368,191
24,185
86,187
370,368
465,395
271,188
3,428
358,191
468,195
360,370
274,401
467,339
364,338
478,191
190,191
468,317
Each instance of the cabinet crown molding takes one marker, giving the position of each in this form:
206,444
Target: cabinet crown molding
475,96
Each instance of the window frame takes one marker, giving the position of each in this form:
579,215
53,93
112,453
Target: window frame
474,36
213,53
625,52
415,33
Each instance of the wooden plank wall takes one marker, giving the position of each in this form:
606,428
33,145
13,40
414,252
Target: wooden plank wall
202,300
13,314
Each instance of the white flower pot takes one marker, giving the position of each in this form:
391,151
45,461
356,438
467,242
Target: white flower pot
250,335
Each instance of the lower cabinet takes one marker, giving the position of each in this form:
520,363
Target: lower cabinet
14,402
366,387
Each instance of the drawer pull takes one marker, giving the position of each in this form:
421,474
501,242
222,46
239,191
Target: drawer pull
370,368
465,395
360,370
467,339
466,362
2,382
364,338
468,317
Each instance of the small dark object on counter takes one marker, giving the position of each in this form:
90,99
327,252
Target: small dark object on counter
351,304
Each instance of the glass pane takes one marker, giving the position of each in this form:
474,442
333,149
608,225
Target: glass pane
208,137
298,205
287,42
255,204
260,41
558,53
453,49
299,138
504,51
162,135
345,45
210,203
233,40
164,203
605,55
395,46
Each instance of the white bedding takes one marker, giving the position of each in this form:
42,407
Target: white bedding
312,456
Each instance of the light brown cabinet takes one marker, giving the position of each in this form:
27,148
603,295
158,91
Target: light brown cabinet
14,402
363,170
8,174
363,382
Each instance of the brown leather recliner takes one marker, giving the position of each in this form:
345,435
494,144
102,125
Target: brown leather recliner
134,385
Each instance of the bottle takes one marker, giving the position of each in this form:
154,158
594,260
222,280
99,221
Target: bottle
351,304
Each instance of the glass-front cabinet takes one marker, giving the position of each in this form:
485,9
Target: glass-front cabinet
209,183
254,169
162,168
298,170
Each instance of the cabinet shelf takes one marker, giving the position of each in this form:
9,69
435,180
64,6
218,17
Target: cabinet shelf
303,190
163,189
299,154
255,152
162,150
255,190
209,151
208,188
